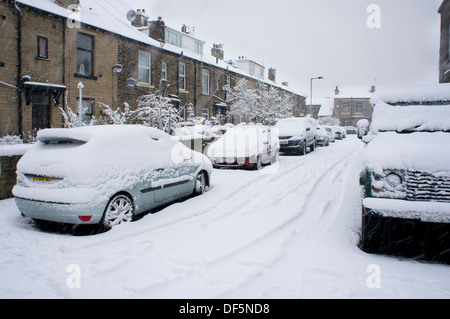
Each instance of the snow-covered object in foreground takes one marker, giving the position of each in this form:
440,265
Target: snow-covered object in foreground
246,146
407,177
73,175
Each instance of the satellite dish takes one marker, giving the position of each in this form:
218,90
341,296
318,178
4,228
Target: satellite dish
131,83
117,68
131,15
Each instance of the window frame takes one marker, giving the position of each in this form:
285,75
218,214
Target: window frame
164,71
91,52
205,113
144,67
359,108
345,107
182,76
39,38
206,76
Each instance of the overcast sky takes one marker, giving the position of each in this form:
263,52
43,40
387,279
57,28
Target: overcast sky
309,38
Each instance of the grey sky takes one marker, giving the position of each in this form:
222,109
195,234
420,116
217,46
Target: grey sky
309,38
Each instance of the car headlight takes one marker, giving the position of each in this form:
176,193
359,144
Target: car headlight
389,185
393,179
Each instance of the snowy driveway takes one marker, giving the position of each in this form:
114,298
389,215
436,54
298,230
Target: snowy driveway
285,232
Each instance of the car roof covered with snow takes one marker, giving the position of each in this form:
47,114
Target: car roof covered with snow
409,109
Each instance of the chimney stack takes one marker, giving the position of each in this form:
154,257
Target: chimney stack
336,91
141,19
158,30
217,52
272,74
372,89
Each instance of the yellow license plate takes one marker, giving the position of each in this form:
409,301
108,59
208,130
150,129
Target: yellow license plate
43,179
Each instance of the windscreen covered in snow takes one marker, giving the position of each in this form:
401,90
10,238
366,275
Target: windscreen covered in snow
291,126
240,141
419,151
413,94
410,118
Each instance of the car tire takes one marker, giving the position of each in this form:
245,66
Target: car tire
120,209
201,185
258,164
313,146
303,149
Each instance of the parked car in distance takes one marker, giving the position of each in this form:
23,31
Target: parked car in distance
350,130
331,133
406,180
339,133
245,146
297,134
106,174
322,136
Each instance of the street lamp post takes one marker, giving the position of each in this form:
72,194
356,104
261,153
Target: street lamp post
310,104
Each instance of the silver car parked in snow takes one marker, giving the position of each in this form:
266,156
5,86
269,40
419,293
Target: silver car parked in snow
106,174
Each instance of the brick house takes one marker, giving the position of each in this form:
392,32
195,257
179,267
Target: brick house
352,105
444,60
48,47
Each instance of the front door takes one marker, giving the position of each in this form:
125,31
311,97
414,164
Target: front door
40,112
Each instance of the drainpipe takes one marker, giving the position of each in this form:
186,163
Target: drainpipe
19,67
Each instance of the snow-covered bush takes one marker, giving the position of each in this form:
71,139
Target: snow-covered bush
157,111
10,140
264,103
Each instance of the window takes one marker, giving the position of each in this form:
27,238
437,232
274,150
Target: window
173,38
205,113
87,110
251,69
144,68
198,47
182,76
261,72
345,108
42,47
164,71
358,108
205,82
85,49
217,85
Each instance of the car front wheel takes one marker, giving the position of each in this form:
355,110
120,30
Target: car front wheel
201,185
120,209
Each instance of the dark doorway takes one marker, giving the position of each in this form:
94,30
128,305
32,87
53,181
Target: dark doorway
40,112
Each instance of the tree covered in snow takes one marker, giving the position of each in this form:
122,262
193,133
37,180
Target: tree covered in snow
264,103
119,116
72,119
157,111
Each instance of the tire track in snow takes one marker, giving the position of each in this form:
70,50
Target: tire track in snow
286,230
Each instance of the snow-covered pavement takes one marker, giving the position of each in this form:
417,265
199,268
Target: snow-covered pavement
289,231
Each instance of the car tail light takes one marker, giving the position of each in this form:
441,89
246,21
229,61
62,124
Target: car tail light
85,218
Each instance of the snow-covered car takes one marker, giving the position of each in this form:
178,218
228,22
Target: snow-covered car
406,204
363,127
245,146
106,174
297,134
339,134
350,130
322,136
331,134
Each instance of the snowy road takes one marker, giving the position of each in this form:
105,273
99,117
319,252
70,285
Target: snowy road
289,231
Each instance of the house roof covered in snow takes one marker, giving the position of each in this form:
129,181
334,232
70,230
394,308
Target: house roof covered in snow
353,92
103,16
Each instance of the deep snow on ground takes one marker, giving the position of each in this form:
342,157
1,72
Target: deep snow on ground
289,231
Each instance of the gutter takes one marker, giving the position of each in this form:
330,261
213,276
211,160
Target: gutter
19,68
